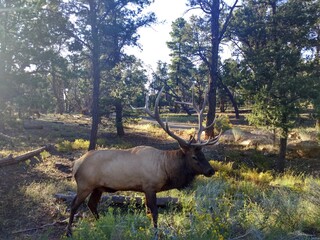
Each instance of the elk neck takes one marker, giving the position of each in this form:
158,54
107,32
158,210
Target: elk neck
179,174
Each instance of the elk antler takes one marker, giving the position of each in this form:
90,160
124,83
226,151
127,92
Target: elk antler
156,116
199,111
166,128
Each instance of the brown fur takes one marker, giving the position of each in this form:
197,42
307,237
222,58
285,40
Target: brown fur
143,169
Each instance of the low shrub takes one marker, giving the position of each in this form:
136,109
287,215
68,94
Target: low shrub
223,122
67,146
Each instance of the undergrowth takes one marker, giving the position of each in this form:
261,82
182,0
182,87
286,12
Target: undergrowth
234,204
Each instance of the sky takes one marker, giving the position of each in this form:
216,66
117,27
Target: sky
153,39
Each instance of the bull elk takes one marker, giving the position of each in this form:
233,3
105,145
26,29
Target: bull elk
142,169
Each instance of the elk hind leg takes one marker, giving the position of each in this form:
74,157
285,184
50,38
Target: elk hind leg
151,203
76,202
93,202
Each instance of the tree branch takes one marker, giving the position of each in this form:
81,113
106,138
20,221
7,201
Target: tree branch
226,23
205,6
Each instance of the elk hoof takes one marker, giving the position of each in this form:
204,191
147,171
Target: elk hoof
69,233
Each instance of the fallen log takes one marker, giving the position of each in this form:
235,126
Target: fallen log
32,125
9,160
123,200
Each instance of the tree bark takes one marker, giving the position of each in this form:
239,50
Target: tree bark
222,104
119,123
213,79
283,144
95,75
282,155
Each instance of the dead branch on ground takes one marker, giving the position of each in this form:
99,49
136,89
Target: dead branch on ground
9,160
40,227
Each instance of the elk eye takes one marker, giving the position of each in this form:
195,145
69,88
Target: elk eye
194,158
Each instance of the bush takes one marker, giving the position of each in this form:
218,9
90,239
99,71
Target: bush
79,144
223,122
67,146
101,142
223,169
64,146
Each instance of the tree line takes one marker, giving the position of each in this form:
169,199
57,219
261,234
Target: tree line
70,56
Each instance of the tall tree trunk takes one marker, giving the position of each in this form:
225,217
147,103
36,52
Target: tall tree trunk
119,123
95,75
213,79
233,101
280,165
57,90
222,105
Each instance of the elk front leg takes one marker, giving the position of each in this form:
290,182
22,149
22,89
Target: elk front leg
151,203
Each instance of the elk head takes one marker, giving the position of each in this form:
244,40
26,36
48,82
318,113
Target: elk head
192,148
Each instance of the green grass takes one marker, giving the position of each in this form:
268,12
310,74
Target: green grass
234,203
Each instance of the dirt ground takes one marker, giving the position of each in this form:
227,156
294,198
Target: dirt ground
28,208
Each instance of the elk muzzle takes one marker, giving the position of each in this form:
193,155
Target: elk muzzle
209,172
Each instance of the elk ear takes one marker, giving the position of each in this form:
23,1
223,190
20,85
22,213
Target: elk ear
198,148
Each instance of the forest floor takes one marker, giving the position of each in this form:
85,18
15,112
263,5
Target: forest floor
28,207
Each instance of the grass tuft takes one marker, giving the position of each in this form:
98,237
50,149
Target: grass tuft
253,175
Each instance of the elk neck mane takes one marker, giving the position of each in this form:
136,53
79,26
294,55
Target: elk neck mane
179,174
